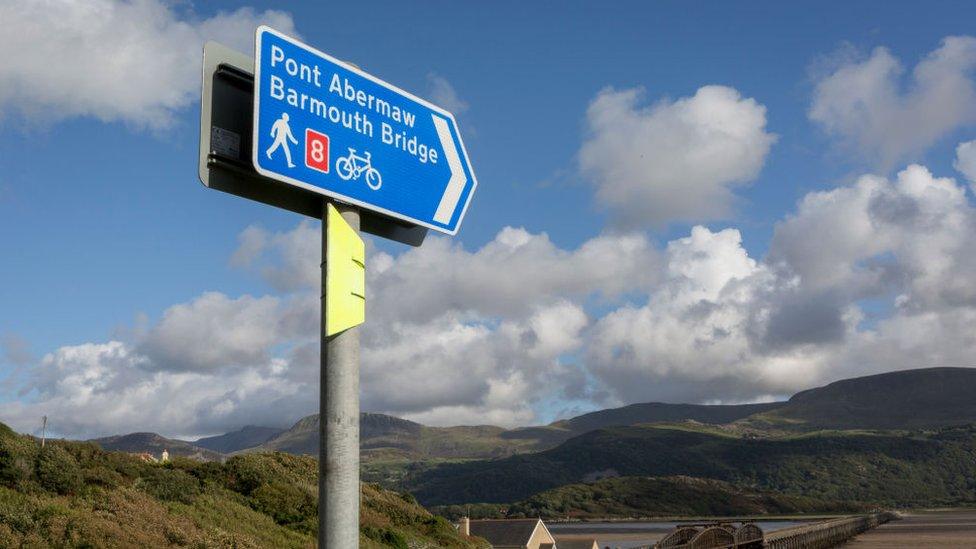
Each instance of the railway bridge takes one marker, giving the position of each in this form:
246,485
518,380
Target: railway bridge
747,535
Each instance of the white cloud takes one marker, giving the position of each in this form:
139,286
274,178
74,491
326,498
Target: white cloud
472,368
101,389
724,326
864,104
483,340
448,329
909,236
673,161
133,61
494,334
443,94
213,331
966,162
508,276
692,340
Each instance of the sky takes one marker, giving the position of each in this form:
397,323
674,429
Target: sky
715,202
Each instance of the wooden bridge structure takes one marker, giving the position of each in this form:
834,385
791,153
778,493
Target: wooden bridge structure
823,535
747,535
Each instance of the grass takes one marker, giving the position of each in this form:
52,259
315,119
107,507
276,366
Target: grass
74,494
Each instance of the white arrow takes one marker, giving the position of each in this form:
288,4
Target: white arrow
452,194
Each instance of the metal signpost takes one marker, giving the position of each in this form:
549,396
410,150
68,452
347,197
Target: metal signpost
303,131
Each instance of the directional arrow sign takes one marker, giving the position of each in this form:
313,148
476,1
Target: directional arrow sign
329,127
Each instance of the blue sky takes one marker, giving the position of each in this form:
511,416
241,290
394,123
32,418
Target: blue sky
104,225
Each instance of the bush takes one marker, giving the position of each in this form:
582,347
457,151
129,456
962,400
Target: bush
14,467
16,458
16,511
247,473
102,476
385,536
286,504
408,497
168,484
57,470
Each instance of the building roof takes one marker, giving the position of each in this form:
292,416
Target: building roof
515,532
577,544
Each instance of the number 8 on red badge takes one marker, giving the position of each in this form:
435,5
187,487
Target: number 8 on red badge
317,150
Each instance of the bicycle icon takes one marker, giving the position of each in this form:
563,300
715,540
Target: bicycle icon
354,166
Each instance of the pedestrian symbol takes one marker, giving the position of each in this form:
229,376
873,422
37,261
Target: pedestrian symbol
281,134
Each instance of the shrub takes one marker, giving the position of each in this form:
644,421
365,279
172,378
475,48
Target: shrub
16,511
16,457
408,497
284,503
168,484
57,470
385,536
247,473
102,476
14,467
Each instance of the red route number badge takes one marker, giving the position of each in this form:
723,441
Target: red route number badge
316,150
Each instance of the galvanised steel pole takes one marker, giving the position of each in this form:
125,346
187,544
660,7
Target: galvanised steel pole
338,421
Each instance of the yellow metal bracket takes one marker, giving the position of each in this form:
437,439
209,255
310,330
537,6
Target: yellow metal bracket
345,278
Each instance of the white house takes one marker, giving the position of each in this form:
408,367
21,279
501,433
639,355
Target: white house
510,534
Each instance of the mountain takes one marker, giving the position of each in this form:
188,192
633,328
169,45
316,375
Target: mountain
75,494
154,444
301,438
881,467
909,399
247,437
384,437
388,437
657,412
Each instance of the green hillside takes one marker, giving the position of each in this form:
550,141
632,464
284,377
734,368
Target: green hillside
878,467
74,494
658,412
910,399
386,438
248,436
155,444
644,497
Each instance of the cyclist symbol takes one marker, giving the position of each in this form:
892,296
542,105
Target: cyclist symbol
353,166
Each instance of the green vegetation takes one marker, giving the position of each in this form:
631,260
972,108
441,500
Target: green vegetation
926,398
883,468
645,497
155,444
390,519
74,494
389,439
914,399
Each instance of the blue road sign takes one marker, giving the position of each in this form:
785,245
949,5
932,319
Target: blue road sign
329,127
